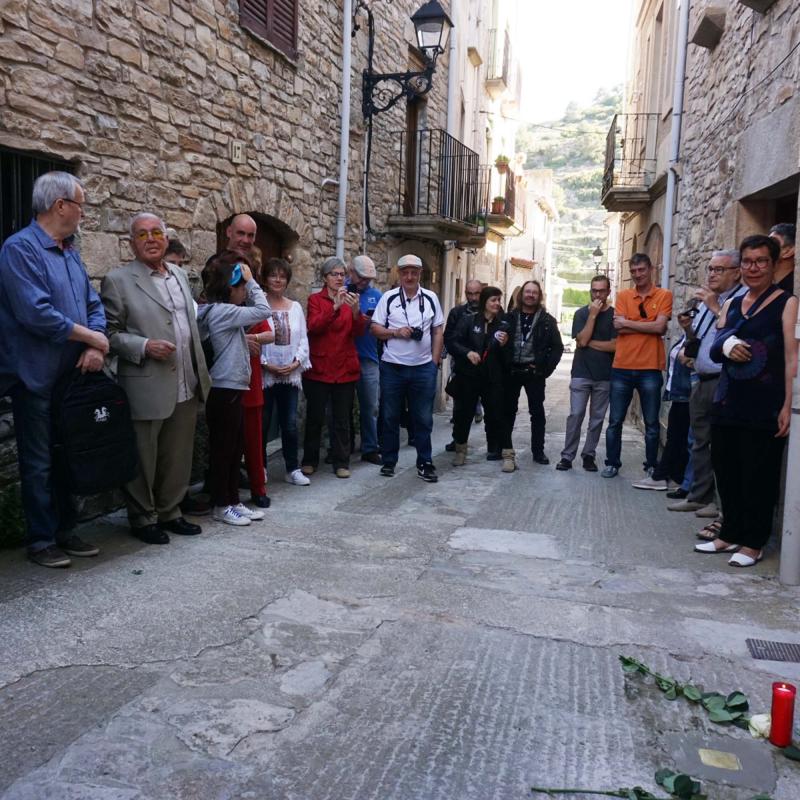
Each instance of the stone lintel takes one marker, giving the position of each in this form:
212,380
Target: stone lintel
762,6
710,27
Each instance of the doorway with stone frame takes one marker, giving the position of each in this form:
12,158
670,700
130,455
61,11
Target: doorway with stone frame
273,237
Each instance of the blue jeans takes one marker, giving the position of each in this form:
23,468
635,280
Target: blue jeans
647,382
418,384
282,398
688,476
46,502
368,387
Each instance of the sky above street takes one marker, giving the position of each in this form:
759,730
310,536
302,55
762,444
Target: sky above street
569,49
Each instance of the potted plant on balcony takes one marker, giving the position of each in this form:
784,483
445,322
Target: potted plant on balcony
501,162
498,204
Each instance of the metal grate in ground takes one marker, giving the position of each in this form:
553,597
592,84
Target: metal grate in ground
765,650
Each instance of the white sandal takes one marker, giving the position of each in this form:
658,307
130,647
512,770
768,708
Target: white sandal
709,547
741,560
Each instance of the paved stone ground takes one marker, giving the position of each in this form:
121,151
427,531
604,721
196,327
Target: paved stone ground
384,639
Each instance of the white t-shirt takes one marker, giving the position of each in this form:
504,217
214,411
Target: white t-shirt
391,309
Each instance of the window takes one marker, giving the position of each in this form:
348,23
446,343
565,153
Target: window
273,20
18,171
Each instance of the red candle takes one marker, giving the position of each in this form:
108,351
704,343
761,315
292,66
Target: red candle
780,732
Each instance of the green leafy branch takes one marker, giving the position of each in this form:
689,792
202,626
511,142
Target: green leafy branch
722,709
678,784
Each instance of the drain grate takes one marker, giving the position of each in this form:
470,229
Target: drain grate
765,650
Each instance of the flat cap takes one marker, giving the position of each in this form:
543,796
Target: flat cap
409,261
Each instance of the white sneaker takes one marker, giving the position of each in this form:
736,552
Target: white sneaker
230,516
648,482
297,478
248,513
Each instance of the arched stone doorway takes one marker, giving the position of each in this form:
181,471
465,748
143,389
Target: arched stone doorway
275,239
654,247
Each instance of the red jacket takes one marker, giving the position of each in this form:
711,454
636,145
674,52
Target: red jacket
331,335
254,396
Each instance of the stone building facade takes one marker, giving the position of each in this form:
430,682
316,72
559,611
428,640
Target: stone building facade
739,167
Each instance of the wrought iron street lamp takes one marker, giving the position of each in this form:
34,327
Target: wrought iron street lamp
597,257
382,90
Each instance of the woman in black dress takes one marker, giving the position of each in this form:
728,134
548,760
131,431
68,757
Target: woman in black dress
752,406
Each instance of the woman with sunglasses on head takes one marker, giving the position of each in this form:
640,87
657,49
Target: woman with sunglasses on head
482,360
234,302
334,321
757,348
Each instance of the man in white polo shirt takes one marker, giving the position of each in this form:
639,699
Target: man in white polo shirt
409,322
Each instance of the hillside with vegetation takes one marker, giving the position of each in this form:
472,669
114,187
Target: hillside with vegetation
574,148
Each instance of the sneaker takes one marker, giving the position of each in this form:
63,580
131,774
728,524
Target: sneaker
250,513
230,516
564,465
371,458
427,472
77,547
342,472
297,478
50,557
610,472
678,494
649,482
589,464
685,505
709,511
387,470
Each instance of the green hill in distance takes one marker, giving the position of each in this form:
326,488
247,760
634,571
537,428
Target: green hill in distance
574,148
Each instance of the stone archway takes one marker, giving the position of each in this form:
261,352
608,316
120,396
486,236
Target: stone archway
269,205
654,246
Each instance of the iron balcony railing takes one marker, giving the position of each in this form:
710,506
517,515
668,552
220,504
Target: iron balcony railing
499,64
441,177
631,151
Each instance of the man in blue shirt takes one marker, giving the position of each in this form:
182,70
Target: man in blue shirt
51,320
362,273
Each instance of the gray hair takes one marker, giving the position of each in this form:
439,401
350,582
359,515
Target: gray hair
53,186
147,215
733,255
330,264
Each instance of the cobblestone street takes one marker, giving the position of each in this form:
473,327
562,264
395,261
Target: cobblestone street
388,638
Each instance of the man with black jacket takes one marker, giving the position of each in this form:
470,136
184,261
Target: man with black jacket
536,350
472,290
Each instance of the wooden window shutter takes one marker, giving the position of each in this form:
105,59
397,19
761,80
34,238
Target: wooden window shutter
274,20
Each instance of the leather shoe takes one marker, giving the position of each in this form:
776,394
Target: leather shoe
678,494
180,526
150,534
260,501
564,464
541,458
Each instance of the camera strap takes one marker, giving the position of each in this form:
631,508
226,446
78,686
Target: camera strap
403,303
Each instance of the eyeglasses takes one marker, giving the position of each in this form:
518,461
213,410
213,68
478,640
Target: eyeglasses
336,274
762,262
74,202
642,310
719,270
143,236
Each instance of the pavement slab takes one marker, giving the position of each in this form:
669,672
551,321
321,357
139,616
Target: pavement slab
388,638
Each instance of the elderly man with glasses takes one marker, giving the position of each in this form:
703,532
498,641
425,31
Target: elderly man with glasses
152,327
51,321
641,316
723,281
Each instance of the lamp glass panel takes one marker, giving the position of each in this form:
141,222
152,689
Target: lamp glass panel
429,34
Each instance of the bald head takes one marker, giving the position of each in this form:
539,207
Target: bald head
472,290
241,234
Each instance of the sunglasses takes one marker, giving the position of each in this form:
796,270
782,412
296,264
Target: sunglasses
642,310
143,236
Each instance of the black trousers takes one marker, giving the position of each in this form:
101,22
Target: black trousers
675,455
496,420
534,389
225,444
341,398
747,466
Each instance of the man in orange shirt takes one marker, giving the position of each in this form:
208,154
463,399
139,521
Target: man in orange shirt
641,318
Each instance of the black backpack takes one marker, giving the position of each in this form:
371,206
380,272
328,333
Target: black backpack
94,443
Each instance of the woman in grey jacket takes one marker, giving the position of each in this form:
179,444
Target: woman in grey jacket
234,301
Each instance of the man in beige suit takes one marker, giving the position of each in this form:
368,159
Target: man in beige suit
153,329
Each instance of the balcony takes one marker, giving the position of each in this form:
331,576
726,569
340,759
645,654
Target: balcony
498,70
442,193
508,218
630,168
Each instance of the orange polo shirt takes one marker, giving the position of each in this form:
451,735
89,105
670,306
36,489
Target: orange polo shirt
642,350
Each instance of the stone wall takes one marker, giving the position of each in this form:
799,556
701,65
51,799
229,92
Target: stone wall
741,130
146,96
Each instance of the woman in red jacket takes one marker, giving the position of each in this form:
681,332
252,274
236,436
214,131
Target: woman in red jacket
334,320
